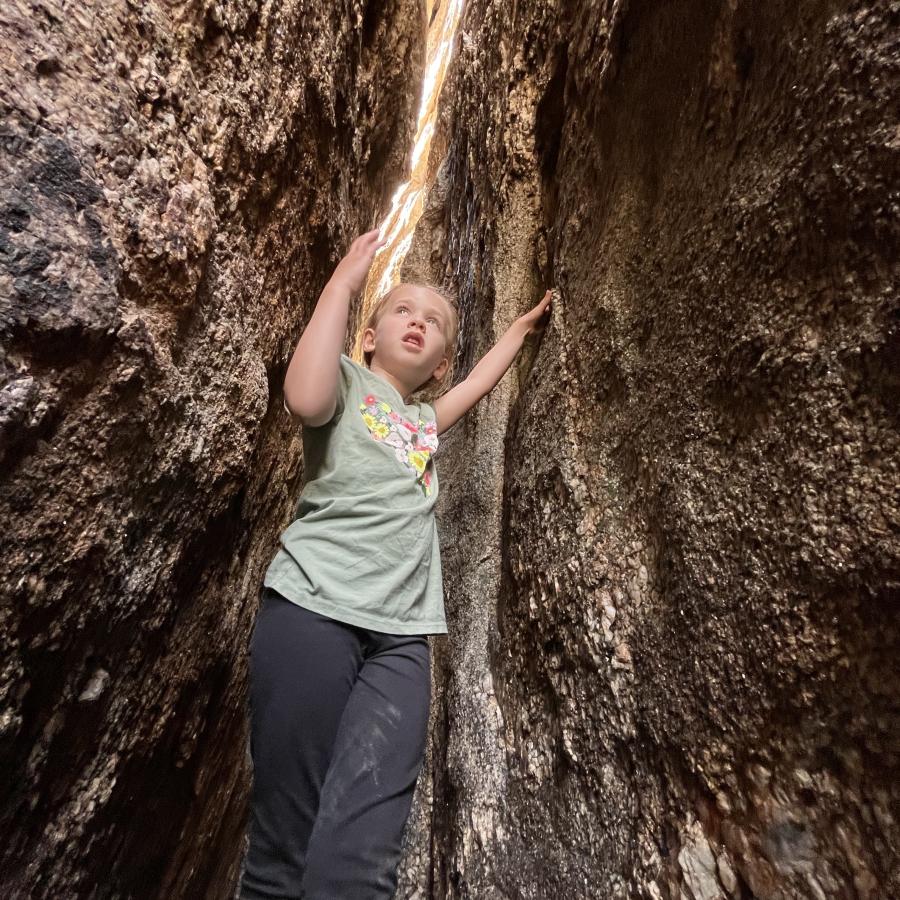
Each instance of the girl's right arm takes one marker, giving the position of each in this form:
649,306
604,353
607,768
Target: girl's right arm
310,384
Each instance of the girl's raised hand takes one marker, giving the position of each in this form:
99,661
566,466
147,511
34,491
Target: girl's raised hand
536,319
353,269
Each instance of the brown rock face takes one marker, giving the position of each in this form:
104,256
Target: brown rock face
671,535
177,182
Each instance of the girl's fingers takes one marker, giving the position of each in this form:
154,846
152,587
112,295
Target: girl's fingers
365,238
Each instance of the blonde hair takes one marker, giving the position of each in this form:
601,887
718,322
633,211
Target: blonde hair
433,388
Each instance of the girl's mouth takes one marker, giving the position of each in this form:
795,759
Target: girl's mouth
415,339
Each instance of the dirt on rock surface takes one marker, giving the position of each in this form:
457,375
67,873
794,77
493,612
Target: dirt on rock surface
671,537
178,181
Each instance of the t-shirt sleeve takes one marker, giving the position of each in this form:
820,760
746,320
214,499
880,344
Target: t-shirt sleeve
426,411
345,380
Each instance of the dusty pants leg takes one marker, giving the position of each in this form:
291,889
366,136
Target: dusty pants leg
302,670
354,849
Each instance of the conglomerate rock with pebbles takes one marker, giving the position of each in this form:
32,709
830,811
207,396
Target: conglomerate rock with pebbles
176,183
670,537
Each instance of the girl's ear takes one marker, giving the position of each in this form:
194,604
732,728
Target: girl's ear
441,369
368,340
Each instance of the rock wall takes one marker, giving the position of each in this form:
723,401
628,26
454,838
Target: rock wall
177,182
670,536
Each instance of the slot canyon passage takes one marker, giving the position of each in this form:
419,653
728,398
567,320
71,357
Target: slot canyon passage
669,536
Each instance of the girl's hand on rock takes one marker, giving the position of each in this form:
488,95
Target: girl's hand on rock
353,269
536,319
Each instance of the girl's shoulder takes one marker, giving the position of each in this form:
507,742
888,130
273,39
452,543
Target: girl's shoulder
350,363
426,410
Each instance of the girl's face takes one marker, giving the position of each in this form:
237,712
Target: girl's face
410,337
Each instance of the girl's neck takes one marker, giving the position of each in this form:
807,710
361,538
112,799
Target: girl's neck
402,389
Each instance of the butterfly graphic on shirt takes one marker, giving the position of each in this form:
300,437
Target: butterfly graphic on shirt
412,443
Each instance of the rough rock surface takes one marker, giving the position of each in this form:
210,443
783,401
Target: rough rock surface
670,537
176,183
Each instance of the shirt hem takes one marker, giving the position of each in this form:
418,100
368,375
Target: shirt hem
361,620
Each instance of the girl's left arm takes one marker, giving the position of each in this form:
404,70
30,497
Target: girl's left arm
452,406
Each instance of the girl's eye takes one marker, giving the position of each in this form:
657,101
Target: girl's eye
432,320
402,309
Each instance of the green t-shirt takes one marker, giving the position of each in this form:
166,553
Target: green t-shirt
363,546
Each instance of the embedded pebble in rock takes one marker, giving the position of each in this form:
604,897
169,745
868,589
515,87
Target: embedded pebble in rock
698,866
177,181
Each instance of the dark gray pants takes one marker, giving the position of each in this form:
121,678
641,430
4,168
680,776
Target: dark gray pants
338,717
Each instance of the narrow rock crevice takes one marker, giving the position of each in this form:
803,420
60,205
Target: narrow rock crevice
669,535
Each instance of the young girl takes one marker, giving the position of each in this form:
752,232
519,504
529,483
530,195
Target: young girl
339,659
